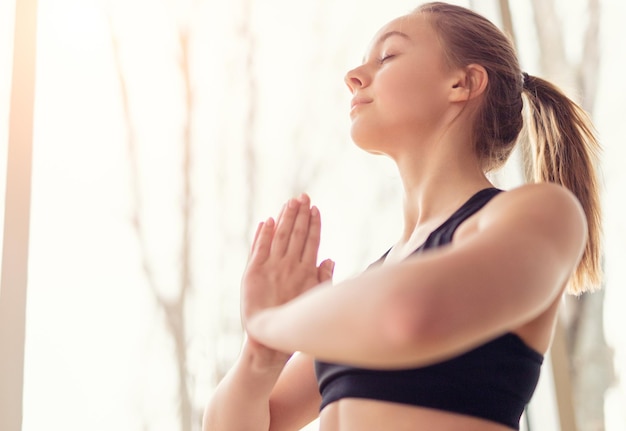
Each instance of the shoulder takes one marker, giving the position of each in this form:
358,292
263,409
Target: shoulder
540,193
544,211
544,200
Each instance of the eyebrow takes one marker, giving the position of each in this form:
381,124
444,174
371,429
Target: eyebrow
387,35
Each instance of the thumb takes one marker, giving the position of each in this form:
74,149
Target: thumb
325,271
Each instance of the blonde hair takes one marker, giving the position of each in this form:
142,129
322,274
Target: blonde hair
562,142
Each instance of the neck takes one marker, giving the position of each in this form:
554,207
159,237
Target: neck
437,180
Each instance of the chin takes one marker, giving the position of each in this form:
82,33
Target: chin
375,137
368,143
370,147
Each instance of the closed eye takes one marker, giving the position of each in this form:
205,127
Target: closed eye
385,57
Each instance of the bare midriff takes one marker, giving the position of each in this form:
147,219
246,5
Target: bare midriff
353,414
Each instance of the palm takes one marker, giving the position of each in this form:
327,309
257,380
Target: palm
282,262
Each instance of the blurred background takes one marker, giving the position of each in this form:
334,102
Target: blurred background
165,130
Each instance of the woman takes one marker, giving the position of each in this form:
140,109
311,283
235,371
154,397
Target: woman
447,331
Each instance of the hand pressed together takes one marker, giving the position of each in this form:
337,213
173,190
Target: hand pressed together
283,259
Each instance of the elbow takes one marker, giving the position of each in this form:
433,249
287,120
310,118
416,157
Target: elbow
412,327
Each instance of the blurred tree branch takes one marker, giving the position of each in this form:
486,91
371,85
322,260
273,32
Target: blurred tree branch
173,308
251,117
591,359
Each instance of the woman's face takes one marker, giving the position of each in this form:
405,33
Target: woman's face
401,89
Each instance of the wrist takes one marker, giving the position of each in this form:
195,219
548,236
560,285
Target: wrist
262,358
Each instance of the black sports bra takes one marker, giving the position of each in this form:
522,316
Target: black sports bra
494,381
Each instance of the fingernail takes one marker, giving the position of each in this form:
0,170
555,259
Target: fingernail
293,203
314,211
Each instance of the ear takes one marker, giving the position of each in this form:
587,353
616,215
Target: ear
469,83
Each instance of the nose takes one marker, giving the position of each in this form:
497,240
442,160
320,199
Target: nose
355,79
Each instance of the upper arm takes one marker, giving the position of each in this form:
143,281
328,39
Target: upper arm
504,274
295,399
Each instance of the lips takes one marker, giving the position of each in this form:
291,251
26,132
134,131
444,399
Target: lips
357,101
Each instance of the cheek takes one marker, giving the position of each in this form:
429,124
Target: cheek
413,95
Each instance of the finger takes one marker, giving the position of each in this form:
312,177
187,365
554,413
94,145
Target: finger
284,228
325,271
256,237
312,244
280,214
263,242
300,232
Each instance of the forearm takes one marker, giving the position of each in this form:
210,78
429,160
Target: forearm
423,310
241,400
352,322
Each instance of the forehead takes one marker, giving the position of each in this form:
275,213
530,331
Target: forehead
415,27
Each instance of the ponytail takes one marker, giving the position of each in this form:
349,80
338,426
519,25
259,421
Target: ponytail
562,142
564,150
